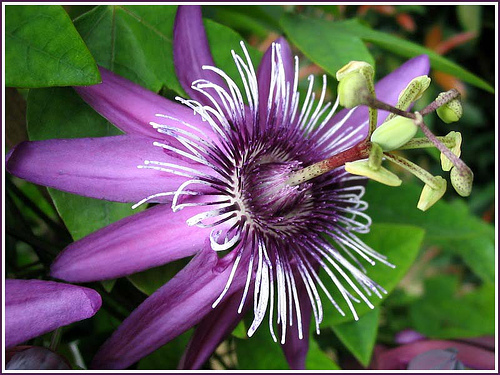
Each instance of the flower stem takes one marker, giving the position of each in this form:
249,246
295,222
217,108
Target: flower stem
359,151
55,339
456,161
417,171
373,102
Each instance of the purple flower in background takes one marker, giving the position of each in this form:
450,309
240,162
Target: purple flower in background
221,167
419,353
35,307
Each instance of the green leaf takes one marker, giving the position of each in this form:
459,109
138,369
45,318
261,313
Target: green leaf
400,243
352,28
260,352
166,357
133,41
330,50
150,280
42,48
240,331
450,226
253,19
441,314
60,113
408,49
222,40
317,359
359,337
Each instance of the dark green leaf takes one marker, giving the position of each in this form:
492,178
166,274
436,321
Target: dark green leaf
353,29
222,40
317,359
330,50
260,352
441,314
359,337
167,357
254,19
448,225
400,243
42,48
240,331
150,280
133,41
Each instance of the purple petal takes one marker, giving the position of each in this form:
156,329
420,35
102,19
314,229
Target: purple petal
487,342
264,75
102,168
145,240
34,307
191,52
387,90
171,310
295,349
437,359
132,107
470,356
213,329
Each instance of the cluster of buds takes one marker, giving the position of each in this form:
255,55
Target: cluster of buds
398,132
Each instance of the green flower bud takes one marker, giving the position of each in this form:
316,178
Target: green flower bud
413,91
352,90
430,195
382,175
394,133
355,82
446,164
451,111
462,181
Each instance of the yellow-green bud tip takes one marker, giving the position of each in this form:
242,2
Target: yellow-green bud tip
382,175
462,182
394,133
430,195
354,66
451,111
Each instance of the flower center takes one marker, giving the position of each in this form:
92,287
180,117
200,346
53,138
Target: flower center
266,199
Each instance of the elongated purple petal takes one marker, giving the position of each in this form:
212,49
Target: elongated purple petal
191,52
264,76
387,90
212,330
102,168
171,310
469,355
34,307
147,239
131,107
295,349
